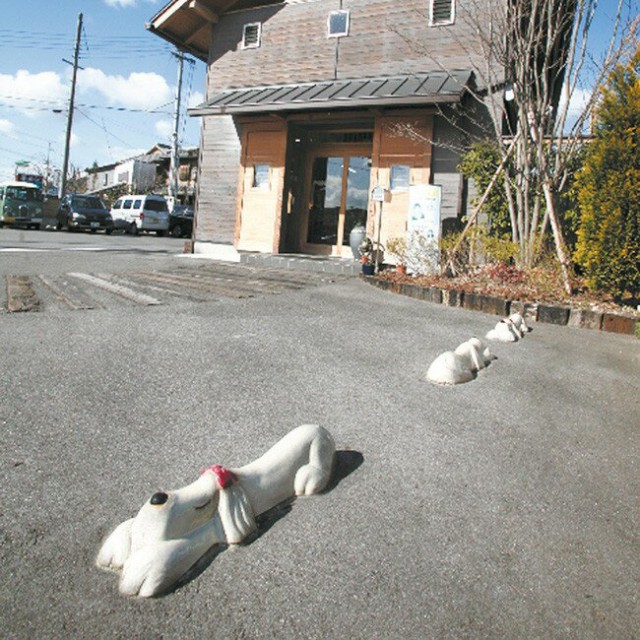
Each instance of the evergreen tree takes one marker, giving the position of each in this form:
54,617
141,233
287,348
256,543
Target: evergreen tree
608,245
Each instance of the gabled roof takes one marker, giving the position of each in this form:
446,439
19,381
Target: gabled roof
400,90
158,152
186,23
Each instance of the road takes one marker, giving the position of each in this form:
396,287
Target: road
506,507
57,272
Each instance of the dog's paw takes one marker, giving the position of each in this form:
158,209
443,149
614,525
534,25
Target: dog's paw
309,480
116,548
145,573
154,569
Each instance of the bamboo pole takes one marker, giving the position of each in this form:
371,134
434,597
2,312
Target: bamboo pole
474,214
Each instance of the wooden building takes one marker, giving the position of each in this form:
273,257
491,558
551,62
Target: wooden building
310,104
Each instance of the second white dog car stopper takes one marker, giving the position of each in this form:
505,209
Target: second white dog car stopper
174,529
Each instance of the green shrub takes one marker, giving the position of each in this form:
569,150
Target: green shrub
479,163
608,247
484,247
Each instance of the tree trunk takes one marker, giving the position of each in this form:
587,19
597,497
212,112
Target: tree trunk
558,239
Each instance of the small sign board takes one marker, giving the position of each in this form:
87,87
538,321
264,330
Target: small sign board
380,194
424,210
423,227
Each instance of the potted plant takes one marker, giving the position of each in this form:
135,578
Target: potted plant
397,250
370,256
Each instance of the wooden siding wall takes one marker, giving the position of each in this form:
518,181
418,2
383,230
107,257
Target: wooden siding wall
404,140
448,138
386,37
259,209
218,181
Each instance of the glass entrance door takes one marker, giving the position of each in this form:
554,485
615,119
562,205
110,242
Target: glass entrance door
339,198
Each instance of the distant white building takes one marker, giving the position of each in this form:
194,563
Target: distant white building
136,174
147,172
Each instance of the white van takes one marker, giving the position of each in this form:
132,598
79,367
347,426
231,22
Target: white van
141,213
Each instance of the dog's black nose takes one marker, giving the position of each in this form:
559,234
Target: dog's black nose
159,498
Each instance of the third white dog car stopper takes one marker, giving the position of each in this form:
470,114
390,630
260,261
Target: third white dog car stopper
509,329
174,529
460,365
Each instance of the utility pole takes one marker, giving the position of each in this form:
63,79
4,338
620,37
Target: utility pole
175,152
67,144
48,171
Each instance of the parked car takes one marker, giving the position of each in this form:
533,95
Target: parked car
21,205
78,211
181,221
137,213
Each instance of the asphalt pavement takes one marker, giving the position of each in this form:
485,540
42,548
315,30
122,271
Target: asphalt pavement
506,507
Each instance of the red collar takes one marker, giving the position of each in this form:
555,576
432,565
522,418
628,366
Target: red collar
225,477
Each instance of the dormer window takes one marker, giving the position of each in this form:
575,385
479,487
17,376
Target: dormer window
338,24
441,12
251,35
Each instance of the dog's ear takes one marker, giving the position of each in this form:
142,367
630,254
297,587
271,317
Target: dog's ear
236,514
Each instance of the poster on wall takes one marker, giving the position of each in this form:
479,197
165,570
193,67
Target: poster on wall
423,227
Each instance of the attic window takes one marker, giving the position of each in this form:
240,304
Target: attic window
441,12
338,24
251,35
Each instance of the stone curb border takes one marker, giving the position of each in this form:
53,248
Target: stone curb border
551,314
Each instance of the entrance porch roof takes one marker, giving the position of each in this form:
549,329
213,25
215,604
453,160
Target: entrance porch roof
384,91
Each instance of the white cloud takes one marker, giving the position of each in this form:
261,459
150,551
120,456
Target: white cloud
120,3
164,129
33,92
578,101
140,90
7,128
196,98
119,154
126,3
7,172
36,92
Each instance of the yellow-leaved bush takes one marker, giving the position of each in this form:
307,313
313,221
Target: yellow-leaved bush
608,187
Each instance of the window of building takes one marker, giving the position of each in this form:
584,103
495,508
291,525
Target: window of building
400,177
261,176
441,12
251,34
338,24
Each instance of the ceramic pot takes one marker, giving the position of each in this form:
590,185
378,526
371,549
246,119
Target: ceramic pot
356,238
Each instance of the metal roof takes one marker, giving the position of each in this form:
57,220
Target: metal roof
415,89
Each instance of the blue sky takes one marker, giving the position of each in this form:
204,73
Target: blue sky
125,91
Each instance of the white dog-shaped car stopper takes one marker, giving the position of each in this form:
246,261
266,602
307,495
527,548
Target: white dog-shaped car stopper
461,365
509,329
174,529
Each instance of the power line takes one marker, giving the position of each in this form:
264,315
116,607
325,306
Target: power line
22,155
56,105
103,128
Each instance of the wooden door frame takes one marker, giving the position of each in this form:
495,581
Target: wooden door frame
329,149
